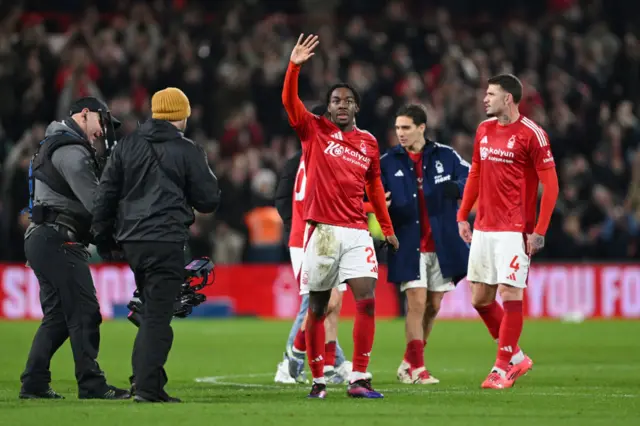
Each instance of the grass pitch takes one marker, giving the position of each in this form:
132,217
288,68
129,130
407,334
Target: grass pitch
584,374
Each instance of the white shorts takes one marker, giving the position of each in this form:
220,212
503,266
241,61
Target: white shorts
498,258
430,276
297,254
335,254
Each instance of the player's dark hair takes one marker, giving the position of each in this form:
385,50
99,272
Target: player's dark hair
509,84
356,95
416,112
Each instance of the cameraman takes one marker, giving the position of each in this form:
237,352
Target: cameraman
63,177
151,182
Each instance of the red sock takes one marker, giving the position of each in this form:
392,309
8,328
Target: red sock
510,331
330,353
424,344
415,351
299,343
406,354
364,329
492,315
315,344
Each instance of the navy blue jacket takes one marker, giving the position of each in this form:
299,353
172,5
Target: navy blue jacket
440,164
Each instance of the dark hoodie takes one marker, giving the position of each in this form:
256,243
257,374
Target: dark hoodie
284,191
141,200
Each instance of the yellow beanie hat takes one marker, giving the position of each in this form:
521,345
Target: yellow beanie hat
170,104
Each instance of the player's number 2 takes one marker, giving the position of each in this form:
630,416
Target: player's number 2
371,256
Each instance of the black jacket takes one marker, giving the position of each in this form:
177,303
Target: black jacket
284,192
140,200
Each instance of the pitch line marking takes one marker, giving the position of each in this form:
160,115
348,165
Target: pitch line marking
224,381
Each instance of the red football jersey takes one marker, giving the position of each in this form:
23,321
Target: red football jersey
296,238
427,244
508,157
337,166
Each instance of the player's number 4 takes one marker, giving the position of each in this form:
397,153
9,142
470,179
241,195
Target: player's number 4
514,263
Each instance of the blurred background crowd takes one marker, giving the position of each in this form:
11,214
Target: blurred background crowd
579,62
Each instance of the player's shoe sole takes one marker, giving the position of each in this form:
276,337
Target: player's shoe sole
48,394
520,369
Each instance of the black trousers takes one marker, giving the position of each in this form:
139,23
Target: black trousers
158,268
70,308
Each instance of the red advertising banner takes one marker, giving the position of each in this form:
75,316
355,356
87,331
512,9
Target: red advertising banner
270,291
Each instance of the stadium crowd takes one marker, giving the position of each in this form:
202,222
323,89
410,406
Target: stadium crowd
579,64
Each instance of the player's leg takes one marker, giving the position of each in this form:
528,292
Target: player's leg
315,339
331,327
483,278
511,264
343,367
434,302
437,286
297,327
483,299
337,368
297,255
483,275
416,296
290,369
359,269
510,330
416,293
514,265
319,274
340,358
299,342
297,350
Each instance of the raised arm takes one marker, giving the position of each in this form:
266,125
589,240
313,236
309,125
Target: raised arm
296,110
292,104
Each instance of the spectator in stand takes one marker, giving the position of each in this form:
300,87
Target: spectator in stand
580,65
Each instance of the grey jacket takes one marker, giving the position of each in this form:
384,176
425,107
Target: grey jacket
73,162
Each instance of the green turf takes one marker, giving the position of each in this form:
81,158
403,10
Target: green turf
584,374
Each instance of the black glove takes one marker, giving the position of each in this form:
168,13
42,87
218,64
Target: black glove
380,244
451,190
109,250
